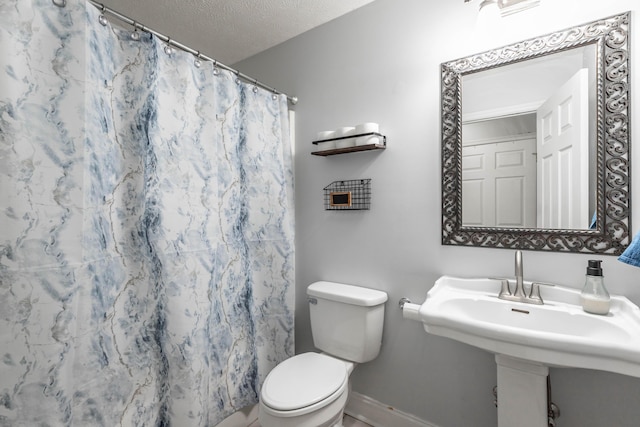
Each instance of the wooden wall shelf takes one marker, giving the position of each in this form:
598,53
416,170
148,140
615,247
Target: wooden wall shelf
352,149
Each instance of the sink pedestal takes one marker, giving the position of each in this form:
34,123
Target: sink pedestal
522,393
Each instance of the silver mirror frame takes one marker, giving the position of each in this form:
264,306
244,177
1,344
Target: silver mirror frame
612,233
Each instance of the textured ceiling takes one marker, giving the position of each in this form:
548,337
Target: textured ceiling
232,30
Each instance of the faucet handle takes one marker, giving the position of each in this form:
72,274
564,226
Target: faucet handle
505,289
504,286
534,293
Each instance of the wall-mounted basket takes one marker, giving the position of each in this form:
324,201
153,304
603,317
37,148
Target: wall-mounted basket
348,195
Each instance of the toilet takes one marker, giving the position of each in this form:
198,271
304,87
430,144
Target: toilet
311,389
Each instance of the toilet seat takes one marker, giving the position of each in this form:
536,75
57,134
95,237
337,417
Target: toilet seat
303,381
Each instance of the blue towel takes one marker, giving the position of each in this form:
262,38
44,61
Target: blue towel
631,255
594,221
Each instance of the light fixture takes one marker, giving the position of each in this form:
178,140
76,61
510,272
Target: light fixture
488,3
489,16
507,7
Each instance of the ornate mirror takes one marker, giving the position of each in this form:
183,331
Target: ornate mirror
535,143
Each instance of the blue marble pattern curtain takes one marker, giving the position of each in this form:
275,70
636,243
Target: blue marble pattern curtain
146,228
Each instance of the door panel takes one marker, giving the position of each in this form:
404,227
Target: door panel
499,184
562,145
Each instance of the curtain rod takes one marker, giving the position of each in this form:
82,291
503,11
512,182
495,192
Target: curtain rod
170,42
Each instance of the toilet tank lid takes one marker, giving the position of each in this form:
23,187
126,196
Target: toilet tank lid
348,294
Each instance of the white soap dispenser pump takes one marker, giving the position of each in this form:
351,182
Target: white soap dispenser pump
594,297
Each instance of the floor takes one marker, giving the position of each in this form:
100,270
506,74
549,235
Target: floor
352,422
346,422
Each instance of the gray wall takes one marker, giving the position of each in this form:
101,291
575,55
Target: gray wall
381,63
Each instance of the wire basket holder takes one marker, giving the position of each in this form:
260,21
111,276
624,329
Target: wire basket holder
348,195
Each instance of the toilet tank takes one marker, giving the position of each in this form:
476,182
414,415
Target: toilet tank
346,320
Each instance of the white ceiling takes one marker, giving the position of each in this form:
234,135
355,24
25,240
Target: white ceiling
232,30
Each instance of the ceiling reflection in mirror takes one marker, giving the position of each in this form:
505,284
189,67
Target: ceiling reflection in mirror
535,142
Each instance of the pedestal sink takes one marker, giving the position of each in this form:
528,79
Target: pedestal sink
527,339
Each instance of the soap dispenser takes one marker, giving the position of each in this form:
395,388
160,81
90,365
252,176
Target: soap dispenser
594,297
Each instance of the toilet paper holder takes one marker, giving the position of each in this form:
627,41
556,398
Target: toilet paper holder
409,310
403,301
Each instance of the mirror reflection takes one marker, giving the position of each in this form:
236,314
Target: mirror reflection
529,143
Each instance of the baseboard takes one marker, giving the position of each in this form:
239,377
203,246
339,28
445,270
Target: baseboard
359,406
378,414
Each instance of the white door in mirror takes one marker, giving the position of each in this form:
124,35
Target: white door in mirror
563,156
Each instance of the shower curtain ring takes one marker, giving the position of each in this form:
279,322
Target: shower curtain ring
255,86
60,3
196,62
167,48
102,19
135,35
238,80
216,70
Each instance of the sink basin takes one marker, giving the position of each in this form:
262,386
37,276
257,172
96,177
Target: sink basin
558,333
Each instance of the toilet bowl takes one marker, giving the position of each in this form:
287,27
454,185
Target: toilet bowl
311,389
307,390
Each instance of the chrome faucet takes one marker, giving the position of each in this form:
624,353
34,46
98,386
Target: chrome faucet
519,294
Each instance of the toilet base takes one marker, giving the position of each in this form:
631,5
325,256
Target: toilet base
295,422
327,416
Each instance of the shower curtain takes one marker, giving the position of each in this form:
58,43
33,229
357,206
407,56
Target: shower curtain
146,227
